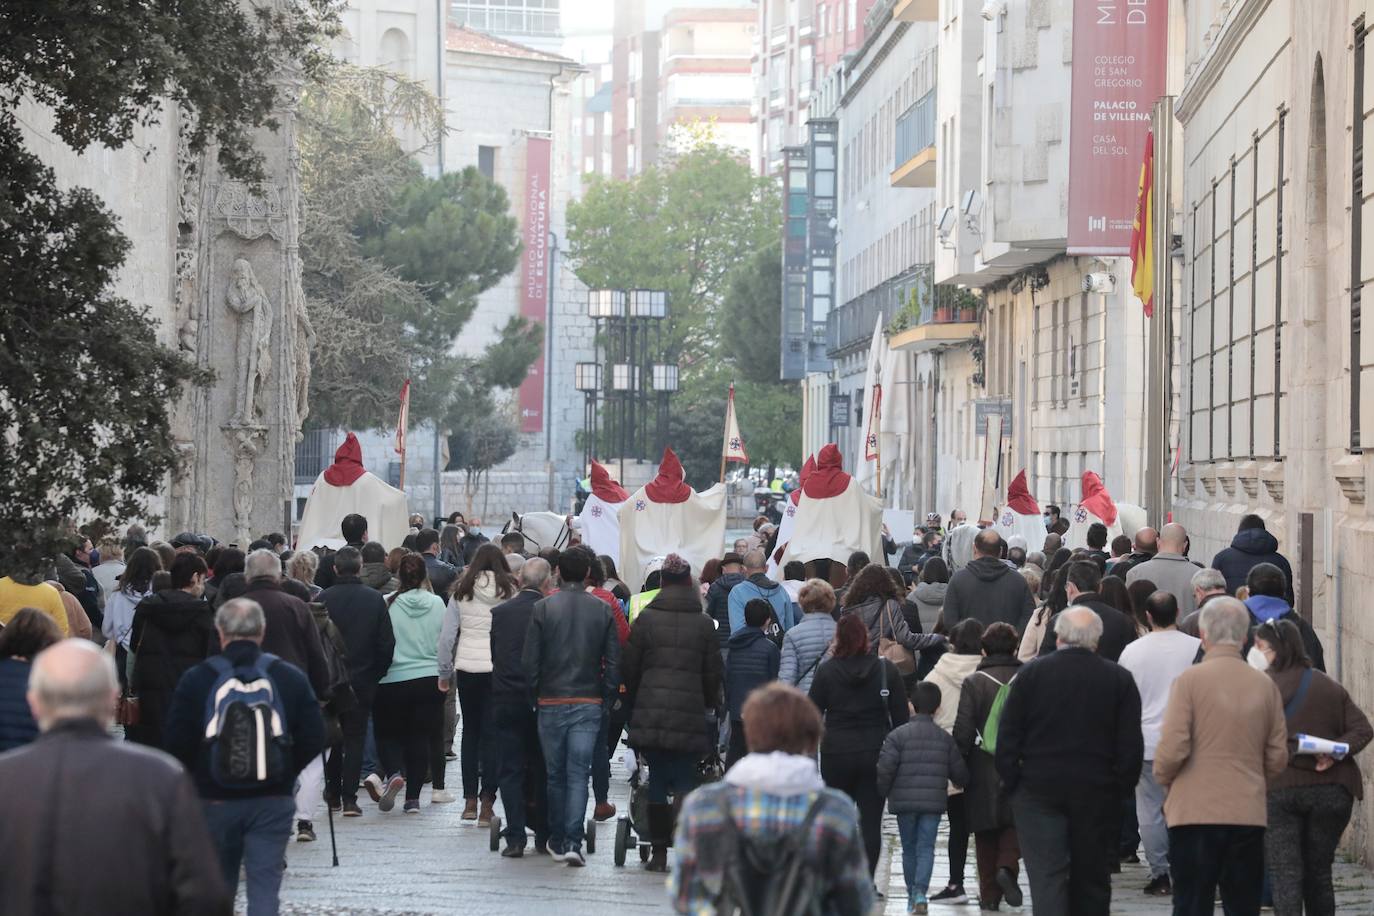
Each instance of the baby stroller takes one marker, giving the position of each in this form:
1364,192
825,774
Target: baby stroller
632,830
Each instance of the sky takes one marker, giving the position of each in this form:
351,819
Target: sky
587,16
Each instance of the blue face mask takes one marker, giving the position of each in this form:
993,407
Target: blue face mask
1046,518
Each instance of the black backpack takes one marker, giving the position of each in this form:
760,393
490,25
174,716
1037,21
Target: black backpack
769,876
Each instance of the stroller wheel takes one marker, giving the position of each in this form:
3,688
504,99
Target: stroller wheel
591,835
622,839
495,833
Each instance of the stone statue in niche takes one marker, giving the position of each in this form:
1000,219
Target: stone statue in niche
304,340
248,442
252,354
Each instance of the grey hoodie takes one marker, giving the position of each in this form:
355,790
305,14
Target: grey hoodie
929,598
991,591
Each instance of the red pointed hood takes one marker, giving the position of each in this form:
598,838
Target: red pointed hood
1019,499
1096,499
606,488
829,478
807,470
670,485
348,464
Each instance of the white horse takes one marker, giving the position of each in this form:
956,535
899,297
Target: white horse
542,530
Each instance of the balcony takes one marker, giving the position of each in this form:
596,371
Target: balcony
914,160
935,318
849,328
916,10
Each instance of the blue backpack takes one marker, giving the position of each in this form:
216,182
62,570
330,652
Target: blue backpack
245,725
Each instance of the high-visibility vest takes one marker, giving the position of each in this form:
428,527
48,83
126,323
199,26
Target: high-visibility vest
640,601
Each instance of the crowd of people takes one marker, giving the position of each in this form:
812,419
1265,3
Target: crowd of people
1068,710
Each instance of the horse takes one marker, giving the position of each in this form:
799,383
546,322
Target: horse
542,530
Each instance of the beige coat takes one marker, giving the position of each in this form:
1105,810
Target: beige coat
1223,738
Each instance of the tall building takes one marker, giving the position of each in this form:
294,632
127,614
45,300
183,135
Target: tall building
679,63
534,23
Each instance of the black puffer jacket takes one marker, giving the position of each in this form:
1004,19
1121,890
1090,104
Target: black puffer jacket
172,633
916,765
984,802
1250,548
672,673
718,604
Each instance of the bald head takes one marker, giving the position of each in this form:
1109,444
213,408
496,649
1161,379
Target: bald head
73,679
988,543
535,574
1146,540
1172,538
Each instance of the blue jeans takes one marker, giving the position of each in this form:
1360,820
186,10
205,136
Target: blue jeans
568,736
918,850
252,832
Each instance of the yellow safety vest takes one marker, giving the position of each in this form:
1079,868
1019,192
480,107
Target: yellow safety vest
640,601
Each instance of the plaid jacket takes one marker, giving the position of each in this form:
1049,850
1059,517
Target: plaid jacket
834,848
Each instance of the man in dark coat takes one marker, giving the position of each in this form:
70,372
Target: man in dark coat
718,597
93,825
753,661
291,632
522,777
173,631
1118,630
1252,546
1069,747
361,615
987,589
673,677
442,576
354,531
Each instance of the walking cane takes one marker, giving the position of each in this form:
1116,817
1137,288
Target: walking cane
333,846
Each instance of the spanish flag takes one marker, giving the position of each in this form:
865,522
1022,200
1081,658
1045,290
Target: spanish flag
1143,232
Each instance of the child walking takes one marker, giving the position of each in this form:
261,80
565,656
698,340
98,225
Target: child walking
915,767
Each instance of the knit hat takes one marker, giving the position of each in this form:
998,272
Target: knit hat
675,570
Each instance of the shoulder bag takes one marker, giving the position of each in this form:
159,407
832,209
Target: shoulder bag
890,649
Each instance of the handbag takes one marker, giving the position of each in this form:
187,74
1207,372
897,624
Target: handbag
127,711
900,656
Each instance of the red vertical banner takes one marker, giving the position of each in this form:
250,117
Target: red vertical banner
534,289
1119,49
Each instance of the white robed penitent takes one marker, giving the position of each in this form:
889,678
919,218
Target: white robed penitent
1021,516
667,516
599,521
346,488
835,517
1096,506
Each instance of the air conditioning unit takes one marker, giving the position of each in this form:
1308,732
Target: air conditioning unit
1099,282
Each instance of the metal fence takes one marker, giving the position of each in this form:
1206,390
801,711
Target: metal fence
915,129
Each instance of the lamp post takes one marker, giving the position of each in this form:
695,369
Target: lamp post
587,379
665,383
629,364
624,381
649,306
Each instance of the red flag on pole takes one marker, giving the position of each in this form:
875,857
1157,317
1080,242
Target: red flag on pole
1143,232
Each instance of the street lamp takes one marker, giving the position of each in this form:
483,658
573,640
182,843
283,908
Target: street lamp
649,305
587,379
665,383
605,303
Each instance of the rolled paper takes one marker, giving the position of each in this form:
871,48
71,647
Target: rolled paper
1309,744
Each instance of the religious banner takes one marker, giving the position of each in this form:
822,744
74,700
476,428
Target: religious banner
1118,72
534,289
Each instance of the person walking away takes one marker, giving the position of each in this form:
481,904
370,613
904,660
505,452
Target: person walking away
442,576
861,699
310,787
78,785
407,713
929,593
916,764
758,585
354,531
988,589
772,793
173,631
465,659
29,632
1251,546
1222,739
118,623
1169,569
1207,584
950,673
571,661
1155,661
612,715
244,743
1309,803
976,728
1068,748
375,573
753,662
514,723
291,634
672,678
1267,604
718,597
1081,585
873,598
361,615
806,644
109,569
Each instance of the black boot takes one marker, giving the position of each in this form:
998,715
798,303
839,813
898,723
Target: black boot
660,836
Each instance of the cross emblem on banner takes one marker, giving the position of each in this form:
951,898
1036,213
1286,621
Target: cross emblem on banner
1007,519
1081,515
640,505
872,441
735,444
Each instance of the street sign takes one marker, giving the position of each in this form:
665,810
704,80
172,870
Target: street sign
839,410
986,407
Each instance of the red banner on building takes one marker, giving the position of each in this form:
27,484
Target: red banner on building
1118,74
534,290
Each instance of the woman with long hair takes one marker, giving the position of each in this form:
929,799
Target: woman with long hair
1309,802
1058,561
450,550
407,713
1140,591
302,567
1057,598
613,583
929,594
135,584
848,690
1115,592
873,597
465,657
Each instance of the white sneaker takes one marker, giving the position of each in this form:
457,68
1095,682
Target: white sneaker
441,797
573,858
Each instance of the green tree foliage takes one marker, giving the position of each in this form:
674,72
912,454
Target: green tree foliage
86,386
484,441
455,237
393,261
753,314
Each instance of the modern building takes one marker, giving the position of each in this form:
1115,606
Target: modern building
675,63
534,23
1277,376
